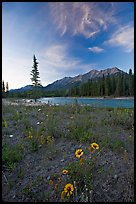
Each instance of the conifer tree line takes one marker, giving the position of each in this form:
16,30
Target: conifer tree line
120,84
116,85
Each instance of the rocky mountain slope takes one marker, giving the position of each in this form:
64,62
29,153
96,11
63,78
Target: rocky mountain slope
68,82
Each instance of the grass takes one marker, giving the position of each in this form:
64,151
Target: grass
44,142
11,155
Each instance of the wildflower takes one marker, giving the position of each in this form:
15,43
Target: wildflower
30,135
82,161
50,139
57,186
63,195
59,180
79,153
38,123
68,189
65,171
94,146
50,181
42,139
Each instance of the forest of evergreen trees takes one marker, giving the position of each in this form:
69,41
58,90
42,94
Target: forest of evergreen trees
114,86
120,85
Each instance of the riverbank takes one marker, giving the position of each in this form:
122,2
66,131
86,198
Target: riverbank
38,143
95,102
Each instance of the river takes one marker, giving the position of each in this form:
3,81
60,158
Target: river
96,102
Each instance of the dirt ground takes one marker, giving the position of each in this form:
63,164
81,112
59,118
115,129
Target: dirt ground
113,181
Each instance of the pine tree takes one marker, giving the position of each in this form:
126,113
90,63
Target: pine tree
7,87
35,78
131,83
35,73
3,87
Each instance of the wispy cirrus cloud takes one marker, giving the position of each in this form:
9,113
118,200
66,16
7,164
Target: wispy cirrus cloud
124,37
85,18
96,49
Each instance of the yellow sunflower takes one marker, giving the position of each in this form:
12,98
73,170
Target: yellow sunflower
68,189
65,171
59,179
79,153
51,182
94,146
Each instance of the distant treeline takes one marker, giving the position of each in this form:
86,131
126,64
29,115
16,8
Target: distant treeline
120,85
115,86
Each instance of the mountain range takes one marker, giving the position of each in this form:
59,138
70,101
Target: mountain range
69,82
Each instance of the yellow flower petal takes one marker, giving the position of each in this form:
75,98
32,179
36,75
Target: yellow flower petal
50,181
79,153
94,145
63,194
65,171
68,189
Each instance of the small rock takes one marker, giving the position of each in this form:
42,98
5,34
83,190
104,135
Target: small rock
48,178
62,160
14,196
11,136
115,176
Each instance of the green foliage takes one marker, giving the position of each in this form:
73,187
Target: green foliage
115,86
117,145
35,73
3,86
82,174
11,155
120,85
35,78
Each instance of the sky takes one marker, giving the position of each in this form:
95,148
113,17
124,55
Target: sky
67,38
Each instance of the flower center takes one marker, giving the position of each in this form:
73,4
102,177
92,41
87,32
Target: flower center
69,188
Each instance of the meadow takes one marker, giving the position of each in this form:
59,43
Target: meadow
67,153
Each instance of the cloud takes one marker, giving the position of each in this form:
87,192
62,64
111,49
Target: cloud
123,37
85,18
96,49
57,56
55,63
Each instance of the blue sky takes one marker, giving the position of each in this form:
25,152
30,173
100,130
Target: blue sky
68,38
